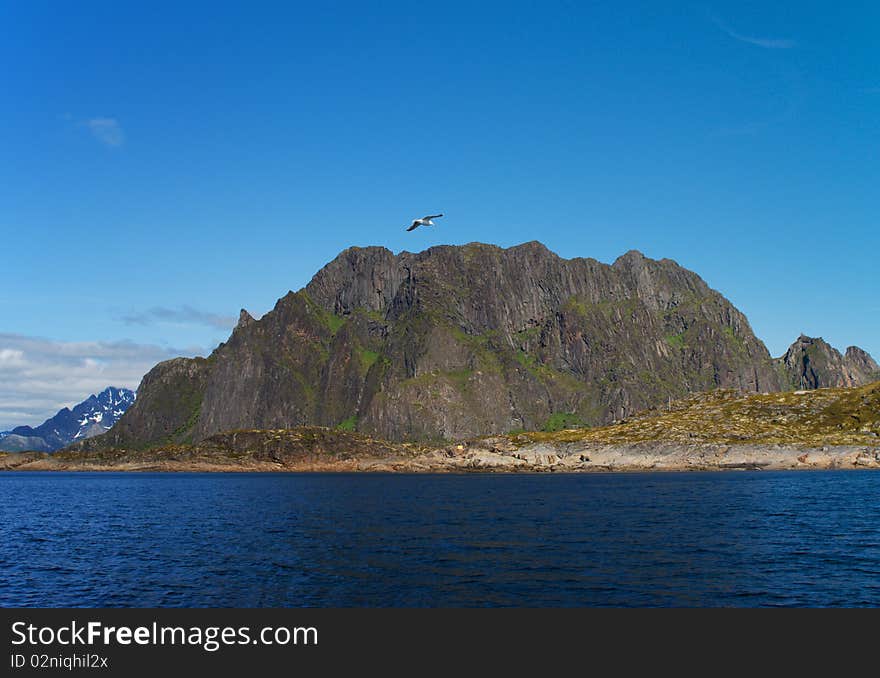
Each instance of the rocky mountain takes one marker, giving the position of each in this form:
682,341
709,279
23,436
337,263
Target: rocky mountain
456,342
812,363
93,416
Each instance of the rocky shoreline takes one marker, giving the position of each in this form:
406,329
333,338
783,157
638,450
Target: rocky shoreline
488,455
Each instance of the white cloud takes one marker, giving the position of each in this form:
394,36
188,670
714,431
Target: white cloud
766,43
107,130
10,356
40,376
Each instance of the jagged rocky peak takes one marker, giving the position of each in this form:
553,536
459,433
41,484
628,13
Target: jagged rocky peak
630,259
811,362
244,319
489,287
862,361
359,277
93,416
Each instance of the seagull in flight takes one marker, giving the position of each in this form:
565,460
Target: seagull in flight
424,221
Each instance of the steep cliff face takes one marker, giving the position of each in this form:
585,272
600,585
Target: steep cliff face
455,342
813,363
165,410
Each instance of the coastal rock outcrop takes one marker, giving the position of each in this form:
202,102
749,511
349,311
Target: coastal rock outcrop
813,363
456,342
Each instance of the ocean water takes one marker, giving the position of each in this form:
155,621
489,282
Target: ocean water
261,540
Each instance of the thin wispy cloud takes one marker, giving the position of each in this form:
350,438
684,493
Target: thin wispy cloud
766,43
106,130
185,315
40,376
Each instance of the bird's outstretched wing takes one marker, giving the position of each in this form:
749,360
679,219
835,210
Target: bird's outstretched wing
414,225
432,216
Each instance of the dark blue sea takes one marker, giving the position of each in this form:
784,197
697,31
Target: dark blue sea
261,540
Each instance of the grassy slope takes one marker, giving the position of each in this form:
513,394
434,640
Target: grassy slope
283,445
830,416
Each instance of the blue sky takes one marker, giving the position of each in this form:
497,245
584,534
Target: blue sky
162,166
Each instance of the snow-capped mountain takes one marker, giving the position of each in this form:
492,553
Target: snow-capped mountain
93,416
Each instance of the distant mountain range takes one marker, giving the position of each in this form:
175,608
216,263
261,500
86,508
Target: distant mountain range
463,341
93,416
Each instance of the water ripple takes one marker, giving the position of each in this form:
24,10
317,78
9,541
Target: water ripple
260,540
